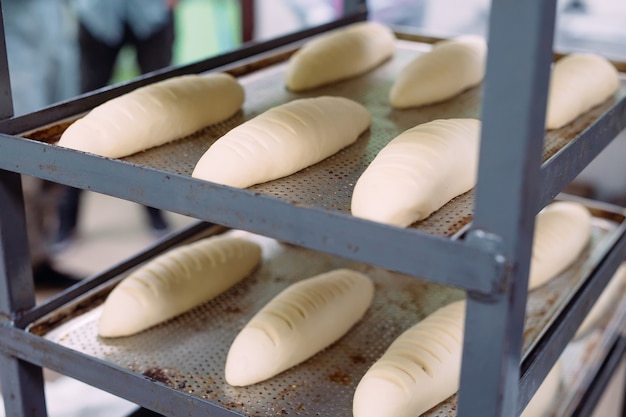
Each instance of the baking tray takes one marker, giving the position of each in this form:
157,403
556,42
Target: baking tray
329,184
583,357
188,353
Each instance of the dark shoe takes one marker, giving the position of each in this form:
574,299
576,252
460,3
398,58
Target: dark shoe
68,210
158,224
61,240
45,276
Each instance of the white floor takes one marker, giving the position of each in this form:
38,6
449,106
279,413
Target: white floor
110,231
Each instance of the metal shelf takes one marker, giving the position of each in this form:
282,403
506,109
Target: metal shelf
490,263
193,364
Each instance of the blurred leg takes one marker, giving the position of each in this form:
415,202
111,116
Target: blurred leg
153,53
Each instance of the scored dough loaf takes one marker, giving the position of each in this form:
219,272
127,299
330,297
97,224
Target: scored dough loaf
578,82
562,230
340,54
420,368
155,114
451,67
418,172
302,320
283,140
176,282
612,291
545,395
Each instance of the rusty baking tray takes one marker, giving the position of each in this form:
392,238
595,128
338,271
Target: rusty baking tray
329,184
582,358
188,353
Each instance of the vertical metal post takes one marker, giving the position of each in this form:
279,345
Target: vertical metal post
6,99
353,6
22,382
513,114
247,20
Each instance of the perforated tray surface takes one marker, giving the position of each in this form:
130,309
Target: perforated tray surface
329,184
189,352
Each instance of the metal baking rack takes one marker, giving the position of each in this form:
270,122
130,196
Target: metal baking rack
189,352
490,263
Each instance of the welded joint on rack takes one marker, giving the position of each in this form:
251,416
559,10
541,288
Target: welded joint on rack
491,244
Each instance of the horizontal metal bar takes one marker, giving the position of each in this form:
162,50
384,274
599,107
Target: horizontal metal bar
560,170
540,359
87,284
402,250
118,381
87,101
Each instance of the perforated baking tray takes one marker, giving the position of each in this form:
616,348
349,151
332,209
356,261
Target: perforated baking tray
583,357
188,353
329,184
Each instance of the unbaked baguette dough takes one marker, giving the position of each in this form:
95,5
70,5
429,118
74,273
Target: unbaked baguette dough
155,114
418,172
420,368
176,282
302,320
340,54
451,67
562,231
544,397
611,293
578,82
283,140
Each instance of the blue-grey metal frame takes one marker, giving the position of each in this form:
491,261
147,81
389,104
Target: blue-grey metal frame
491,264
6,99
22,382
513,115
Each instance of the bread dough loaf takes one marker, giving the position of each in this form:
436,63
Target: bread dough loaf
543,399
155,114
420,368
562,231
340,54
175,282
418,172
283,140
601,308
578,82
299,322
451,67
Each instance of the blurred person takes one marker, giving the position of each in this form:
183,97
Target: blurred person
43,69
104,28
398,12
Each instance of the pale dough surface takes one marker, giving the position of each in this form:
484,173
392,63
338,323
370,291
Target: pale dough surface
420,368
451,67
418,172
545,395
283,140
300,321
155,114
175,282
601,308
578,82
340,54
562,230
